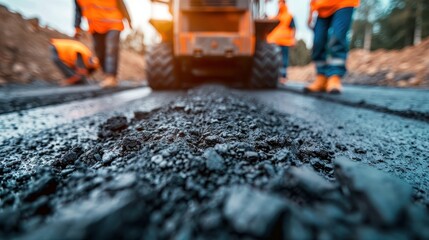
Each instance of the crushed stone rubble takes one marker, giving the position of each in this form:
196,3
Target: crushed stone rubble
210,165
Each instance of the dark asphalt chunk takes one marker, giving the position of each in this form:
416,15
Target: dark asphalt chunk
384,197
214,162
69,158
95,219
253,212
310,181
131,144
112,126
44,186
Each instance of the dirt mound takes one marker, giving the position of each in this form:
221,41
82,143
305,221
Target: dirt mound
25,55
408,67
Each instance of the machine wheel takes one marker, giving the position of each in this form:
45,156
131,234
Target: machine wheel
266,66
160,67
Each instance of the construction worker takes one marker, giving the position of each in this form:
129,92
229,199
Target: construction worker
105,21
284,36
331,47
74,59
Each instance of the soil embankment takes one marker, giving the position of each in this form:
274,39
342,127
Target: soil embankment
408,67
26,58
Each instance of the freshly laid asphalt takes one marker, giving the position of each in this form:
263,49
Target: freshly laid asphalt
214,162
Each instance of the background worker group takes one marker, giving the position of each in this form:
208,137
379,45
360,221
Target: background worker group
330,49
105,21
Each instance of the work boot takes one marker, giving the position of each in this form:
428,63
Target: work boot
109,82
319,85
334,85
283,81
73,80
82,71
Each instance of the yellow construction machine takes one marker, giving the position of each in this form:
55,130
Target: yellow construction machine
213,39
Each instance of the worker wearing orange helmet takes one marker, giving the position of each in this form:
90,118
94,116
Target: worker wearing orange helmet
105,21
331,47
74,59
284,36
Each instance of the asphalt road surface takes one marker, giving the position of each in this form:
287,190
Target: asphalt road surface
214,163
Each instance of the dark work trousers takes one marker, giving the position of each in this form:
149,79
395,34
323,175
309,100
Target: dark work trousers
331,47
64,68
107,49
285,61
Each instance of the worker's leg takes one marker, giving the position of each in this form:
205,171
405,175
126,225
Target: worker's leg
66,70
112,52
285,61
319,55
100,48
338,49
338,44
112,59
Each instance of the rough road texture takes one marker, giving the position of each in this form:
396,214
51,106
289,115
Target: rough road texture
210,165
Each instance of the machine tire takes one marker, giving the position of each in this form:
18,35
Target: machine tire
160,67
266,66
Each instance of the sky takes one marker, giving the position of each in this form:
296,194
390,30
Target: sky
59,14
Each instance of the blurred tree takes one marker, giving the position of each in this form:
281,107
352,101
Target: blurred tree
300,55
366,17
405,23
419,22
134,42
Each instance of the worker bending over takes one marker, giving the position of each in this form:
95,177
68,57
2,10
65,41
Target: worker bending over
74,59
105,20
331,47
284,36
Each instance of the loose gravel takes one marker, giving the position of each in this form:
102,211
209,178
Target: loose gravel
210,165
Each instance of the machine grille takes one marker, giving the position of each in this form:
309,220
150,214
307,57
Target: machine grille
213,3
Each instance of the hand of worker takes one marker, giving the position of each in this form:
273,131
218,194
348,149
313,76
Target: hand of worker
77,33
310,21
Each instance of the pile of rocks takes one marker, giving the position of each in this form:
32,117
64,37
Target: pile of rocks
210,165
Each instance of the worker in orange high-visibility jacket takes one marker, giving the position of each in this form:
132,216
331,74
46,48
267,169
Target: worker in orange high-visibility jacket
330,49
105,20
284,36
74,59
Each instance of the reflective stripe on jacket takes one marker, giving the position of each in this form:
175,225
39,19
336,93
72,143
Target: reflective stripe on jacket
327,8
102,15
68,49
283,34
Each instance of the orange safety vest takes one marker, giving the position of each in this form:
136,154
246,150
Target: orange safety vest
327,8
102,15
283,35
68,49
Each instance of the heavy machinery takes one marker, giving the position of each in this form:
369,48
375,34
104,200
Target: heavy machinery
213,39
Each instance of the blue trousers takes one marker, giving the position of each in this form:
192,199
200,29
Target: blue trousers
331,47
285,61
